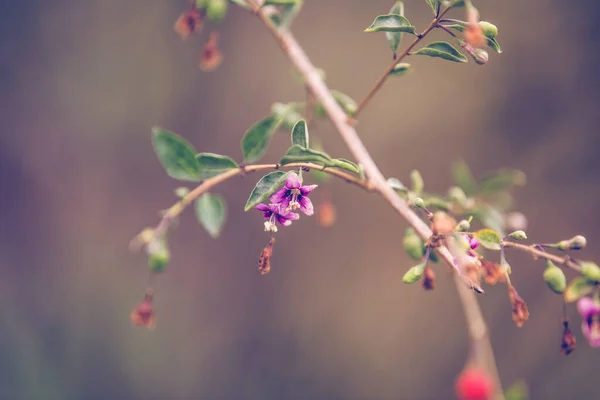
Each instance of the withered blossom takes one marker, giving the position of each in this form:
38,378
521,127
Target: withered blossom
428,279
189,22
264,260
143,314
211,56
520,312
568,342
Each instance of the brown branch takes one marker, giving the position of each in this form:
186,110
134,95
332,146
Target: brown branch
478,330
537,253
390,68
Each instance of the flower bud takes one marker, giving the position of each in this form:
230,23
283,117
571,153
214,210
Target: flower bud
518,235
577,242
480,56
414,274
474,384
590,271
488,29
463,226
419,203
555,278
216,10
413,245
158,255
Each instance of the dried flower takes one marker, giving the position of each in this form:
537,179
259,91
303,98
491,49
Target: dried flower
293,195
473,33
442,223
188,22
520,313
326,213
143,314
211,55
273,212
429,279
492,272
264,260
568,342
474,384
590,326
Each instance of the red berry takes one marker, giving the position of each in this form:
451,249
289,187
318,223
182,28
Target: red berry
474,384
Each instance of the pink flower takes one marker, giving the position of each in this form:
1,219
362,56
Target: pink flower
590,313
293,195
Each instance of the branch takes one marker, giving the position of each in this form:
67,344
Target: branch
173,212
537,253
478,330
390,68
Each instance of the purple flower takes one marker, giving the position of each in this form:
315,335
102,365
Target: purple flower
590,313
293,195
274,212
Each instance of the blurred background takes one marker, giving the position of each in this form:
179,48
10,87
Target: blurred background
81,85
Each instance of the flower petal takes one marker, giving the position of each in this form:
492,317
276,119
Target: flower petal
305,190
292,181
263,207
587,307
279,196
306,206
594,341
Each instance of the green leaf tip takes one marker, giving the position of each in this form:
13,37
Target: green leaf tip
266,186
391,23
256,139
176,155
214,164
300,134
443,50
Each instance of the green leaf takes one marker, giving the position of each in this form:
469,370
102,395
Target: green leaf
460,26
433,4
214,164
494,45
503,179
436,203
345,164
298,153
391,23
578,288
266,186
176,155
211,211
256,139
241,3
289,113
280,2
289,12
394,38
401,69
488,238
417,183
300,134
463,177
346,102
442,50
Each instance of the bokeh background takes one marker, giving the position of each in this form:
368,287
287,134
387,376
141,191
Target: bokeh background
83,82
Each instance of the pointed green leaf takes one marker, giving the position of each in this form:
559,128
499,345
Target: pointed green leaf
463,177
401,69
494,45
300,134
256,139
279,2
214,164
578,288
345,164
266,186
289,113
488,238
442,50
433,4
346,102
417,182
211,211
394,38
176,155
298,153
391,23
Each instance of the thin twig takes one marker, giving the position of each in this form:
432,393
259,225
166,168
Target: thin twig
478,330
390,68
537,253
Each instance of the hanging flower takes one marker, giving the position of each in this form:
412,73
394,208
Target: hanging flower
275,213
293,195
590,313
188,22
143,314
211,56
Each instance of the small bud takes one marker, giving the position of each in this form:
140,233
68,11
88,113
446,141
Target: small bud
181,192
442,223
326,213
419,203
488,29
216,10
414,274
518,235
429,279
143,314
264,260
158,255
520,313
568,342
555,278
413,245
463,226
211,56
188,23
577,242
480,56
590,271
474,384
